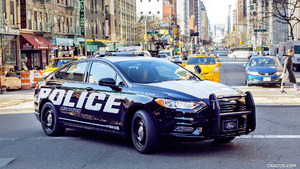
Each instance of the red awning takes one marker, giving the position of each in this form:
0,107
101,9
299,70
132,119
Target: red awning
34,42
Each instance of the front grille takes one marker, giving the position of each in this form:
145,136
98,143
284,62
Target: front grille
233,104
266,74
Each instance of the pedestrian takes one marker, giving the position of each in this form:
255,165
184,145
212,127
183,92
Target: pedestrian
287,74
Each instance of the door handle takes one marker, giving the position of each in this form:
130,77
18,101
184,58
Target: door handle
89,88
58,86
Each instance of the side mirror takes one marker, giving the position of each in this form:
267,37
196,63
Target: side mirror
197,69
110,82
183,65
220,64
245,65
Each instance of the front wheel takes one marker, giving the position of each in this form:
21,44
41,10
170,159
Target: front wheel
224,140
144,133
49,121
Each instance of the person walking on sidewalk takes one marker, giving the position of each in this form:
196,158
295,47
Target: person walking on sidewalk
287,74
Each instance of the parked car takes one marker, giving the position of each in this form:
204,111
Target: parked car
208,64
176,59
263,70
57,63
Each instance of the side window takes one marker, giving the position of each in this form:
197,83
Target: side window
100,70
75,72
60,74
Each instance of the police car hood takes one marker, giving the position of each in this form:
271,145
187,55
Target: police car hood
186,89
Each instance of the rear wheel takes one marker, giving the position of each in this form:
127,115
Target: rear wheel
49,121
224,140
144,133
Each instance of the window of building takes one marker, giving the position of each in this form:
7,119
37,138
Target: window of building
67,29
149,12
106,8
35,26
149,0
29,20
63,24
92,6
141,12
92,27
141,0
58,23
40,21
46,21
96,7
96,27
158,12
12,13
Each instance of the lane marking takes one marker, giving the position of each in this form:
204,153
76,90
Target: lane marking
5,161
270,136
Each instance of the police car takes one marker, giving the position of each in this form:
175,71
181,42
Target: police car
145,99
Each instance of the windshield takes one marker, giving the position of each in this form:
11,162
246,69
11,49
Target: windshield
165,53
153,71
60,62
162,56
263,62
201,61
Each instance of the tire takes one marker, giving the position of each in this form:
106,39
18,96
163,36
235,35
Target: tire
144,133
224,140
50,122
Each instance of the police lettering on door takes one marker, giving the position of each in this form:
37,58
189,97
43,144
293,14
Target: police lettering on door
57,98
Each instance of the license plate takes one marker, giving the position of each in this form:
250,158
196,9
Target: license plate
267,79
230,125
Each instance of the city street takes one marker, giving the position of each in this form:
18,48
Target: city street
275,142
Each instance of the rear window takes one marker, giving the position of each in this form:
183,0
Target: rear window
201,61
60,62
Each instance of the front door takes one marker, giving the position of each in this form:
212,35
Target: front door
103,104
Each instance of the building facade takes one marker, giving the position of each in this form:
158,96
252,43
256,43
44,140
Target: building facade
9,35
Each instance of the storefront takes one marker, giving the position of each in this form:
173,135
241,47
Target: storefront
9,49
64,47
34,52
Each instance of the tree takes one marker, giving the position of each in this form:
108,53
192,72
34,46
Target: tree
285,12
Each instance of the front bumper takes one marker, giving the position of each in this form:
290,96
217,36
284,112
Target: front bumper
209,123
275,79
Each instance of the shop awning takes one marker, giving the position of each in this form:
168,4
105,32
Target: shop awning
98,43
28,42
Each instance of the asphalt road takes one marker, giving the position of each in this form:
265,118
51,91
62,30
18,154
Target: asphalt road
23,145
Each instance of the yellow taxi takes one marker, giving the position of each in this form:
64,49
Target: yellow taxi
208,64
58,62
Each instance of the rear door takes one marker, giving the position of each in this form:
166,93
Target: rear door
67,91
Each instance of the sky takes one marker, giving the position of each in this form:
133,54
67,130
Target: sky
217,10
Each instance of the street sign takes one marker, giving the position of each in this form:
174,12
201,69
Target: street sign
260,30
164,25
155,32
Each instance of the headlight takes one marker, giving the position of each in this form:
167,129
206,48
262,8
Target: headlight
253,73
278,73
172,104
215,70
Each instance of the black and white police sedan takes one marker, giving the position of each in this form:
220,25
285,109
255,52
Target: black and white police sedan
145,99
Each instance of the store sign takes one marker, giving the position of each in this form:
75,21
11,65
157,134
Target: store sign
12,30
27,46
23,13
82,21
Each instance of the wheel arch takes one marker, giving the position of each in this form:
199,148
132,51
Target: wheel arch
42,103
129,115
